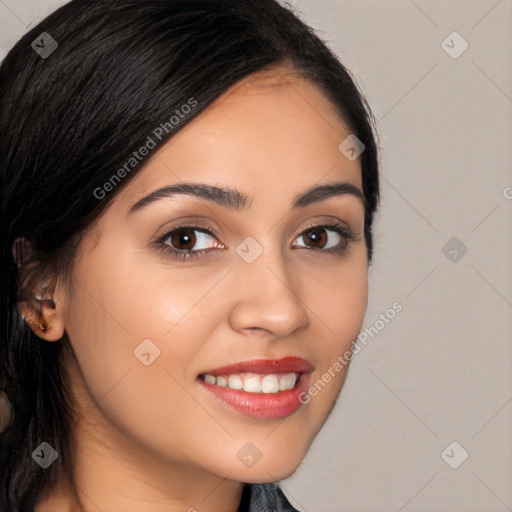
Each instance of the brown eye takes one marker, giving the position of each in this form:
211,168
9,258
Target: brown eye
317,237
183,239
326,238
188,242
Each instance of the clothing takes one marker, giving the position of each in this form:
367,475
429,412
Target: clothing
264,498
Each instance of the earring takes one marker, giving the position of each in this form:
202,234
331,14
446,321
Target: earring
42,326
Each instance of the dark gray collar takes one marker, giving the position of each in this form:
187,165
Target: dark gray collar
264,498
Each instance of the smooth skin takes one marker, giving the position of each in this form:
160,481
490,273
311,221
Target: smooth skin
151,438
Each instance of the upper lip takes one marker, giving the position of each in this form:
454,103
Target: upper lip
266,366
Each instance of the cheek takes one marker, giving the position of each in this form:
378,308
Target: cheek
135,330
129,371
340,301
340,297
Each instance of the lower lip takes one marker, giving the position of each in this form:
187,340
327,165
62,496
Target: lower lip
261,405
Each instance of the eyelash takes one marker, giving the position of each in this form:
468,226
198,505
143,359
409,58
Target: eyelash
178,254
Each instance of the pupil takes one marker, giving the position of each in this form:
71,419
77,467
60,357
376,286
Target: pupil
315,237
184,237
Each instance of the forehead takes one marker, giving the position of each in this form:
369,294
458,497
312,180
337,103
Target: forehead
278,88
272,131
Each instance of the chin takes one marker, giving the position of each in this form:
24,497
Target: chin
281,466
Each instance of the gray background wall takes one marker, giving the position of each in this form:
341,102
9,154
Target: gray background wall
441,370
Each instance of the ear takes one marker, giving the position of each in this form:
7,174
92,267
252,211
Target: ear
44,316
41,303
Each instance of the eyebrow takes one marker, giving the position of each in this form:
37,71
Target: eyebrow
235,200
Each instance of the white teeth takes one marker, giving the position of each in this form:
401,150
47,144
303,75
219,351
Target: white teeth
235,382
221,381
255,383
270,383
287,381
210,379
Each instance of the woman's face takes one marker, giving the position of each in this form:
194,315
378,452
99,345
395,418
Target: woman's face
184,285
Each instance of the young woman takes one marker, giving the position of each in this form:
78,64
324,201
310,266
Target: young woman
188,189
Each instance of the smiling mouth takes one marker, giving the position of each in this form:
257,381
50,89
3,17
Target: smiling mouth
254,382
260,388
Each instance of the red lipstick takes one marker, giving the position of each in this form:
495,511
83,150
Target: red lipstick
261,405
285,365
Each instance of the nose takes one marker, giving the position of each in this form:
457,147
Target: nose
266,297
